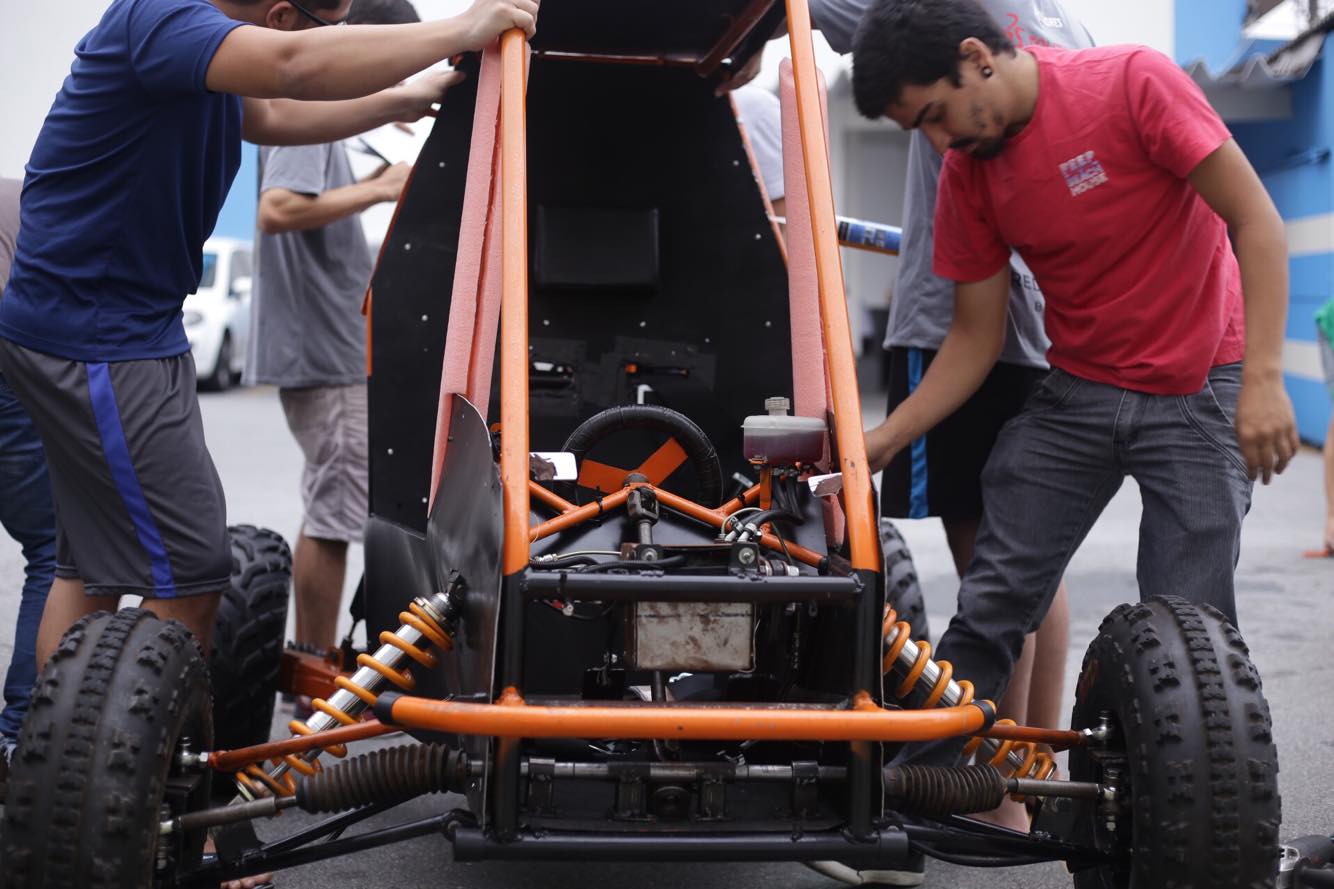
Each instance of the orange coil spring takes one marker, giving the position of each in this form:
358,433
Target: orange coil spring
1037,763
260,782
914,676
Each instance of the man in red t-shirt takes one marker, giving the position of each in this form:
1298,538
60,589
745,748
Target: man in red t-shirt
1108,172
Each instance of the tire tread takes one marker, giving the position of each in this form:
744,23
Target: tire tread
93,754
1198,732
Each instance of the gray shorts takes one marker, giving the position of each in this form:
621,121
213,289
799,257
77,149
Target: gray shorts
139,505
329,423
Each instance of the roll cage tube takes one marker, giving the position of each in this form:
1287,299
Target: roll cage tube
514,448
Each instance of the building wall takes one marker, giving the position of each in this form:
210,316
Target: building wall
1149,22
1292,157
37,42
1209,30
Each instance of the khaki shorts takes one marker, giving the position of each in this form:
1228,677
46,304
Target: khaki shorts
329,423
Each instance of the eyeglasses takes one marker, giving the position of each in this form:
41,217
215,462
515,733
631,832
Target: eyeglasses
312,16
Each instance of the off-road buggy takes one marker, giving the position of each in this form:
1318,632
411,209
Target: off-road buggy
681,648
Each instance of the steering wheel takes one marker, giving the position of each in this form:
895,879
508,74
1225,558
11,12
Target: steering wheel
684,442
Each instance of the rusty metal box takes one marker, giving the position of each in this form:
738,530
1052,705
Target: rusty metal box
692,636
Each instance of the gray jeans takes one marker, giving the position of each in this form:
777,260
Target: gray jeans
1053,470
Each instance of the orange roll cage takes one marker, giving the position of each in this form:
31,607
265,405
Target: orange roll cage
510,717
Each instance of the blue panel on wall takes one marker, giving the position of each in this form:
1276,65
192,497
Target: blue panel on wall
1208,29
1298,191
1301,318
1311,402
1288,155
237,219
1311,284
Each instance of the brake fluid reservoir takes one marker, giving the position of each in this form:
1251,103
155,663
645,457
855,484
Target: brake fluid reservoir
778,439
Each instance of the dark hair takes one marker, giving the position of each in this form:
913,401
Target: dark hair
311,4
382,12
903,43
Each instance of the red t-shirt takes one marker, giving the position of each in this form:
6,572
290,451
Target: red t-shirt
1142,287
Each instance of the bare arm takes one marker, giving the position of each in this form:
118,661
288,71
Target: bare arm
283,210
970,350
290,122
1266,428
347,63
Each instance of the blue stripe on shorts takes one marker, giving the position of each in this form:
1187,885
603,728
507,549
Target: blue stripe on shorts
117,450
917,508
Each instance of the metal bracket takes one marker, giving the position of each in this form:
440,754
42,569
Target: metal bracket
712,798
631,795
744,559
541,786
805,789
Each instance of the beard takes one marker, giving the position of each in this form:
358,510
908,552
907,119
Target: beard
982,149
989,148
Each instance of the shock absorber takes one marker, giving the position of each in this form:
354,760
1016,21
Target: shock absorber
426,623
919,670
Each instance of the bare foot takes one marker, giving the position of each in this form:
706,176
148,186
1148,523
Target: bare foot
244,882
1009,814
248,882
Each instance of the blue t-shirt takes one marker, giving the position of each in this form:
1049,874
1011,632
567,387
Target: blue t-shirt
123,187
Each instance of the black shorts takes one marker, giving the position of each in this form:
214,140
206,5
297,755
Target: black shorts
139,505
940,474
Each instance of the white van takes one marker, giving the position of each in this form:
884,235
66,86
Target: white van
217,315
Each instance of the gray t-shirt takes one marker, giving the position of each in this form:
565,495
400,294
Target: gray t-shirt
837,20
9,225
306,327
762,116
922,308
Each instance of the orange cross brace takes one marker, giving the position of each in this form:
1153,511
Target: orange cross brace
664,461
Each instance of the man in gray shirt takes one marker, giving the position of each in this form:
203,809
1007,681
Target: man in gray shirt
309,339
27,514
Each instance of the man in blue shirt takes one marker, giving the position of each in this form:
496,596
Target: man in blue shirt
123,187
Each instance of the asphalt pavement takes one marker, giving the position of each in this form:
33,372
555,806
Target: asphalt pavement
1285,605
